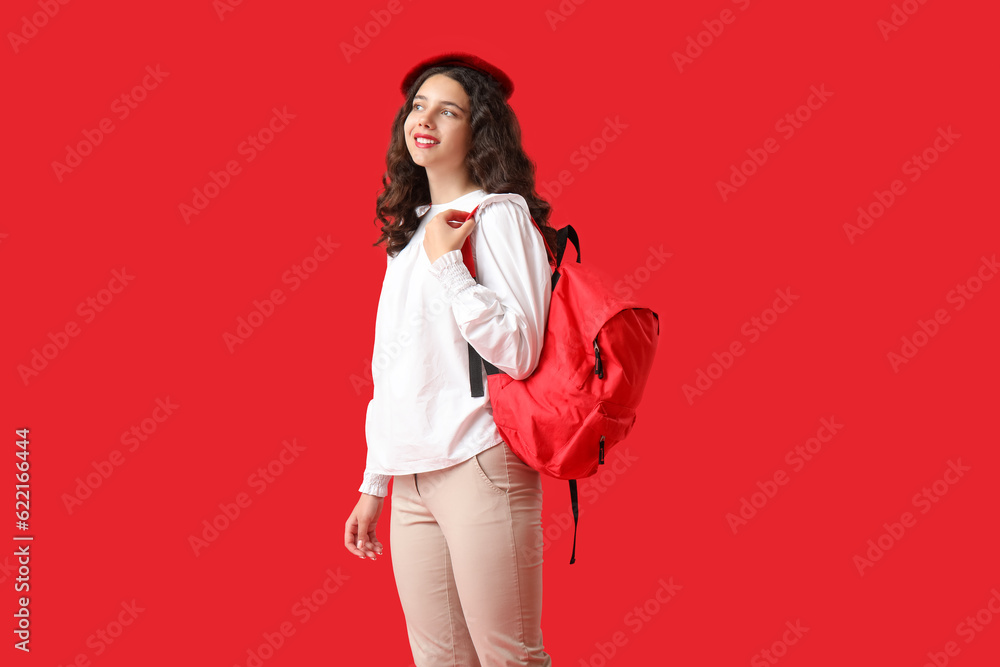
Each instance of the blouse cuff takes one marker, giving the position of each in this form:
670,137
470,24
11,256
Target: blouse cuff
375,485
451,272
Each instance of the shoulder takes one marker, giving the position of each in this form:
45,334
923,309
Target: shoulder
504,208
505,220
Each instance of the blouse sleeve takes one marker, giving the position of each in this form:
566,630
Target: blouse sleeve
503,316
375,484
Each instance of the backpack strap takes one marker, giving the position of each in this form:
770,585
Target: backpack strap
467,246
575,502
467,249
475,360
476,378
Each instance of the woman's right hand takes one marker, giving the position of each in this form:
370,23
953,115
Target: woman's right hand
359,531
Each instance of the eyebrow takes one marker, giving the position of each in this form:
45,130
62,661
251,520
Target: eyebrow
444,102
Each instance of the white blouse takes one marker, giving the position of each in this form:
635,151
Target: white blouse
422,415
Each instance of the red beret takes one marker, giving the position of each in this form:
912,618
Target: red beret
463,60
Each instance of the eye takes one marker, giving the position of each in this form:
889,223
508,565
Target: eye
448,111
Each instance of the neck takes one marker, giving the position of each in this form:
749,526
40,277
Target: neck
449,186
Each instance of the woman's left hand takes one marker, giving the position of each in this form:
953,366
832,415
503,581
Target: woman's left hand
442,235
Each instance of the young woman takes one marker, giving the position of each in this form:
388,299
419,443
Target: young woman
465,529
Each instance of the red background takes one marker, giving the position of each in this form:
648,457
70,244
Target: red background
654,186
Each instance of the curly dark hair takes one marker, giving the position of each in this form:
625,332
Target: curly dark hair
496,160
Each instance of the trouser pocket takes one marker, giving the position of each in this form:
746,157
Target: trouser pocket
491,465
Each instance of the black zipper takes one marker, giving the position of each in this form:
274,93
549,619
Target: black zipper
598,364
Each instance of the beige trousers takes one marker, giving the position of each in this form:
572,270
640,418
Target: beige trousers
466,545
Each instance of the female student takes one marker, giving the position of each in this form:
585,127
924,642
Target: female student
465,529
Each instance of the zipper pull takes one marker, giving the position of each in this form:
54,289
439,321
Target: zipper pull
598,365
600,459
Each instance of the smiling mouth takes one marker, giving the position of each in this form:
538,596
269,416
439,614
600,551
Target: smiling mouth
424,142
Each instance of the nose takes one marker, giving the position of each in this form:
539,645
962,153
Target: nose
423,119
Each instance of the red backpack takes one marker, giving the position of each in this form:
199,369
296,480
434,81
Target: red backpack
581,399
